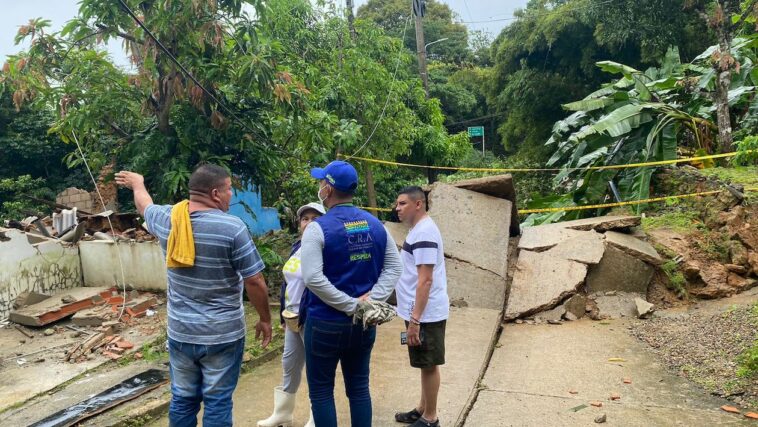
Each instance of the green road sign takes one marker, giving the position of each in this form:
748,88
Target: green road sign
476,131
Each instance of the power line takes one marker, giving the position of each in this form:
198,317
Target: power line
188,74
489,116
389,95
537,15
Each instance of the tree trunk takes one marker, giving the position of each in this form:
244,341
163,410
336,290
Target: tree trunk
370,189
723,67
350,19
724,73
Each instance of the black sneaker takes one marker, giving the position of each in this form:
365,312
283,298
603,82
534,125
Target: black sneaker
409,417
422,422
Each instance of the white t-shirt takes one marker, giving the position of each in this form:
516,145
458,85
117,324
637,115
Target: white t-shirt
293,275
423,246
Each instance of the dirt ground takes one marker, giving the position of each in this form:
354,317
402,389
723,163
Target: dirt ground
703,341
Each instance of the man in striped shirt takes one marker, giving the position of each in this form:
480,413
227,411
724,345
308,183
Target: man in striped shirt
206,318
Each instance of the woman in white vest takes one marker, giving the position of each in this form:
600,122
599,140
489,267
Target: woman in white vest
293,358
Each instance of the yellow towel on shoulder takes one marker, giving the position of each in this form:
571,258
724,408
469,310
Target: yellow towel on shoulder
181,244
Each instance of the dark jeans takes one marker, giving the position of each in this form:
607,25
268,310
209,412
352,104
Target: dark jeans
329,342
203,373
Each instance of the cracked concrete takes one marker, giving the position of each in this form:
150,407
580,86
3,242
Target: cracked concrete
531,374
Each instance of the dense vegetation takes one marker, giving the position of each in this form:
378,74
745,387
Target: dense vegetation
568,84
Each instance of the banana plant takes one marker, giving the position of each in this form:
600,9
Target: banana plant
642,116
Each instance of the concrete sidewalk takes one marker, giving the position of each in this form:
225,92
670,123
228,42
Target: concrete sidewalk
394,384
535,369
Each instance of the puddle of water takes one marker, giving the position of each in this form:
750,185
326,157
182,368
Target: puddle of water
122,392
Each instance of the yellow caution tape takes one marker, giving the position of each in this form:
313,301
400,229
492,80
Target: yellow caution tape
600,205
627,203
367,208
509,170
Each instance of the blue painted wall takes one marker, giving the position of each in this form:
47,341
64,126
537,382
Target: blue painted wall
265,219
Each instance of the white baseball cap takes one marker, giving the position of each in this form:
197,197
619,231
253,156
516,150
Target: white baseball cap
318,207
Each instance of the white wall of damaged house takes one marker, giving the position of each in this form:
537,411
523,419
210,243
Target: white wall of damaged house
28,263
144,264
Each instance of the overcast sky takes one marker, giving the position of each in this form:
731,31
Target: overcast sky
60,11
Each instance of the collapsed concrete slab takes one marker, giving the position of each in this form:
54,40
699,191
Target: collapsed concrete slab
59,306
615,305
541,282
587,248
603,223
398,231
477,287
500,186
633,246
473,226
619,271
544,237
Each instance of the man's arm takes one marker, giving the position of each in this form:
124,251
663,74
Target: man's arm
423,288
393,268
136,183
257,292
312,257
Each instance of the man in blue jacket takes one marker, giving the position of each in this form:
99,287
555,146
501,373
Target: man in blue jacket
347,255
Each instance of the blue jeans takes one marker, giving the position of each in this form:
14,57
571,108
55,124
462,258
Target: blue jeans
329,342
203,373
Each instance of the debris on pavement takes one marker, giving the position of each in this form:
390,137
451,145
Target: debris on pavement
596,404
600,419
732,409
116,395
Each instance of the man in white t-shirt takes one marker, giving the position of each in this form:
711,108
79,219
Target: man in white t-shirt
422,302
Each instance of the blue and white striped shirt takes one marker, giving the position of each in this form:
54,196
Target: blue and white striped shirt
205,301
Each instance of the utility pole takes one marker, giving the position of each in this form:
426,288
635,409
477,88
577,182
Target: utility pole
350,18
419,9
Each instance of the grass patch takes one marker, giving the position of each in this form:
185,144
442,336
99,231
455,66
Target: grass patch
252,346
677,282
154,351
715,244
745,175
749,359
681,222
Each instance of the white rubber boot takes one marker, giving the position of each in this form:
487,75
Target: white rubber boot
310,422
284,406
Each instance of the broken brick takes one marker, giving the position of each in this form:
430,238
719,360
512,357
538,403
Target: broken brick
627,380
112,356
615,396
751,415
731,409
138,355
124,344
573,392
596,404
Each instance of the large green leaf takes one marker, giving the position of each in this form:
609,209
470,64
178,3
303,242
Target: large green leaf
641,186
735,95
588,104
621,120
617,68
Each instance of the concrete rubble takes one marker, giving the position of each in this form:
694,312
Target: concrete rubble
559,263
470,231
474,218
